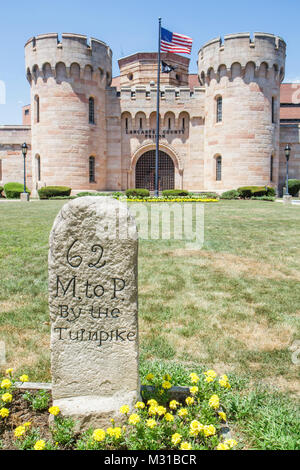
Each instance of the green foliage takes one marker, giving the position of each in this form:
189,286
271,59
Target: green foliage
14,190
175,193
207,195
27,442
137,193
52,191
39,401
246,192
1,189
63,431
232,194
263,198
271,191
294,187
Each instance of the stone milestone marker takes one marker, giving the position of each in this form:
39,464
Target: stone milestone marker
93,310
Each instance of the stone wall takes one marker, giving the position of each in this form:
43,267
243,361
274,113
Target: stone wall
11,159
289,134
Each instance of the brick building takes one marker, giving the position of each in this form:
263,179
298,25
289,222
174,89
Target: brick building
222,128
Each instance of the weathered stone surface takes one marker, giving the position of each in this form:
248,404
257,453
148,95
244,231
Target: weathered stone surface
93,309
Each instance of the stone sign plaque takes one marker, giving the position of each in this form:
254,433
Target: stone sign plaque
93,309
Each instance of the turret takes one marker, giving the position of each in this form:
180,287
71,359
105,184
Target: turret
68,79
242,79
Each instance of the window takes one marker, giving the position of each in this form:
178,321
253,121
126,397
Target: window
271,167
126,123
183,124
273,110
38,167
37,109
219,109
92,170
141,123
91,111
218,168
26,112
169,123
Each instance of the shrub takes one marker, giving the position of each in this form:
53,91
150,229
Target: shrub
1,189
233,194
271,191
175,193
246,192
53,191
294,187
14,190
139,193
206,195
263,198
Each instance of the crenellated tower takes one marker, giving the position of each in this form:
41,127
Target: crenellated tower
242,78
68,80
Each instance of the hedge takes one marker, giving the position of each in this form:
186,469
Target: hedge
139,193
233,194
294,187
246,192
175,193
14,190
53,191
1,189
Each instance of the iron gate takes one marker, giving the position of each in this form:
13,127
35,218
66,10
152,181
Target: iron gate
145,171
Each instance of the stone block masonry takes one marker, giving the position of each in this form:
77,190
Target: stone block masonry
93,310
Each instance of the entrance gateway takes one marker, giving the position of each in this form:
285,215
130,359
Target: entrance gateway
145,171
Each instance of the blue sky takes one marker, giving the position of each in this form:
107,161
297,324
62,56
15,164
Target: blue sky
131,26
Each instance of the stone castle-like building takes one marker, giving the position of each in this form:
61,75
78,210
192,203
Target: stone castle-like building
223,128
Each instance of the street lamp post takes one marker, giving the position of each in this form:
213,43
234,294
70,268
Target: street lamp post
25,195
287,152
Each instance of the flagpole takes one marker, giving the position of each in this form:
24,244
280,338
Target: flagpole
157,111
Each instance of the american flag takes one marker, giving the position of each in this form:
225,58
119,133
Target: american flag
174,42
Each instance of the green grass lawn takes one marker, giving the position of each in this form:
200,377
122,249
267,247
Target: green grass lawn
233,306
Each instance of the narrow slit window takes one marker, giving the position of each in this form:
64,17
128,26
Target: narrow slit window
218,168
38,168
141,123
37,109
91,110
126,123
169,123
92,170
273,110
271,167
219,109
183,124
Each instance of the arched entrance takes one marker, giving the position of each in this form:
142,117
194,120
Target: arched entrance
145,171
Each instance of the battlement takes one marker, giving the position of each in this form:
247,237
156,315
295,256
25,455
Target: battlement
167,94
46,51
241,49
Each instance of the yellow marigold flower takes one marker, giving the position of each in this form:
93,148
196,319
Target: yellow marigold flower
99,435
9,371
173,404
209,379
153,410
134,419
194,390
124,409
183,412
194,433
149,377
4,412
152,402
110,431
39,445
169,417
7,397
196,426
161,410
139,405
222,415
176,438
117,433
54,410
190,401
20,431
222,446
194,378
27,424
186,446
209,430
24,378
166,384
214,402
210,373
6,383
167,377
231,443
151,423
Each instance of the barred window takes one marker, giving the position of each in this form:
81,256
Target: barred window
92,170
271,167
91,110
218,168
219,109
